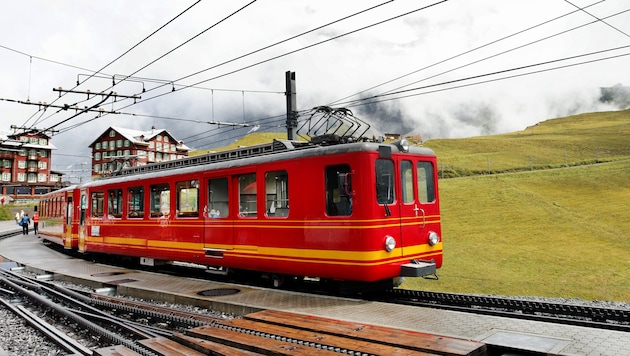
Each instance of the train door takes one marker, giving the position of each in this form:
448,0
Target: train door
386,196
67,224
419,210
82,209
218,224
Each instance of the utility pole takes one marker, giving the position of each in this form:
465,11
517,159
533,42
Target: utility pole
291,104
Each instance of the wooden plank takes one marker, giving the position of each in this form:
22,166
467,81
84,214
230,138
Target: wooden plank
118,350
440,345
326,341
255,344
210,347
164,346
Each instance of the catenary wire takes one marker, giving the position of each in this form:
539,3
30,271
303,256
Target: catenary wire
462,54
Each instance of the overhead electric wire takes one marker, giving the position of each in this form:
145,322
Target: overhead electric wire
462,54
510,50
285,54
129,50
604,22
296,50
366,102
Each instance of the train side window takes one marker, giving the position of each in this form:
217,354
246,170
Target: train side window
135,203
160,200
98,199
218,198
114,203
406,180
247,195
277,193
426,184
338,201
187,199
385,181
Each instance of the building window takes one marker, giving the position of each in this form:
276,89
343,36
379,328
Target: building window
22,164
165,138
54,178
43,141
119,143
21,177
151,156
112,133
151,144
97,146
41,177
42,165
34,140
97,168
31,178
158,146
6,163
159,137
104,145
22,153
6,177
97,156
112,144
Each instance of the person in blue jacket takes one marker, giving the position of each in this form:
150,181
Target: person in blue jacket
24,223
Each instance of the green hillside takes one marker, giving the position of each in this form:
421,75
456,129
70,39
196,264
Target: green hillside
575,140
558,233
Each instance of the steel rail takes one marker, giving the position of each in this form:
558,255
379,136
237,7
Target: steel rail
53,334
594,317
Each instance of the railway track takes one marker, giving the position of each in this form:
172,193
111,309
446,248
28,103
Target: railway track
114,326
580,315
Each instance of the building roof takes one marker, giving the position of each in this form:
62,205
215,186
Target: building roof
141,137
8,141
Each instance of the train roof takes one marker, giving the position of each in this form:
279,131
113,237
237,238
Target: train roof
244,156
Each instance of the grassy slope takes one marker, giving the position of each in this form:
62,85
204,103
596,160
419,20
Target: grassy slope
559,142
558,233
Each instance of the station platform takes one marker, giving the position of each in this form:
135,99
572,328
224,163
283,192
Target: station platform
524,335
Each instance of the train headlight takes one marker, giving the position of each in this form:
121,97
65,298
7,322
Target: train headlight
403,145
390,243
434,238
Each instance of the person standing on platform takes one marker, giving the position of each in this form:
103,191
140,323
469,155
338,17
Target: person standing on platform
24,223
35,220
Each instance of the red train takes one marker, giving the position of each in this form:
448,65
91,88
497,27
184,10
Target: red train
362,211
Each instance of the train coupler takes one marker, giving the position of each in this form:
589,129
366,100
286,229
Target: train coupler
419,268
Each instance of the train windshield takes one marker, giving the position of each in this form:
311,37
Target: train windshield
385,181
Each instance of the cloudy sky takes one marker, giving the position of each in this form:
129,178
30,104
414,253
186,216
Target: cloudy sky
436,68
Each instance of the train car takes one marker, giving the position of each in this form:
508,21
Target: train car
362,211
58,221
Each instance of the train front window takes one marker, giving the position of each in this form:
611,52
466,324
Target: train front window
247,195
136,202
218,206
114,203
426,184
406,179
98,199
188,199
338,190
160,200
277,193
385,181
